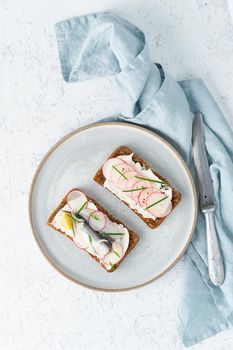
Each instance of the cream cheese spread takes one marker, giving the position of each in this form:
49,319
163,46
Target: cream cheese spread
108,249
145,173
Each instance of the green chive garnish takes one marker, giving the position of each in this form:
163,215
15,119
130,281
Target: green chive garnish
73,228
81,208
119,172
90,239
151,180
73,216
95,217
136,189
112,234
112,266
156,203
117,254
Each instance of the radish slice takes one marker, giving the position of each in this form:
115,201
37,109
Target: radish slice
169,209
115,255
129,185
111,227
114,174
144,194
76,199
119,171
160,209
138,184
133,165
97,220
81,240
122,182
123,167
81,244
86,212
107,167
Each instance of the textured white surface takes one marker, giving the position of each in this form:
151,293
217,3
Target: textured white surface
39,308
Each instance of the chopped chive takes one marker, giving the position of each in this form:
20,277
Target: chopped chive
136,189
73,228
81,208
156,203
76,219
112,234
117,254
119,172
76,215
66,211
95,217
73,216
151,180
112,266
90,239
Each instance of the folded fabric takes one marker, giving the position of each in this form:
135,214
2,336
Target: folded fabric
103,44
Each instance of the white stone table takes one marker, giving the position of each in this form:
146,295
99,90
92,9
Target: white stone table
39,308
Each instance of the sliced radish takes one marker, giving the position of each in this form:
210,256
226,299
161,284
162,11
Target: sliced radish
119,171
110,227
97,220
144,194
115,255
167,191
132,164
81,244
122,158
123,167
160,209
122,182
76,199
169,209
129,185
138,184
114,174
117,249
81,240
107,167
86,212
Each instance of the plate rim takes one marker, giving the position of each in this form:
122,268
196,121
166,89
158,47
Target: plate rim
43,161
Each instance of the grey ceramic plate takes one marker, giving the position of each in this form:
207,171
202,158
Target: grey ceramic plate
72,162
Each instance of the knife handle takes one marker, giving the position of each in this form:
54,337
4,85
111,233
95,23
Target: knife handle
215,263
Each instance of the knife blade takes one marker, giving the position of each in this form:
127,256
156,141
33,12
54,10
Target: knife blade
207,200
205,183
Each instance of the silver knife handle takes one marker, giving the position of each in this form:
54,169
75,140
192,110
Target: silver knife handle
215,263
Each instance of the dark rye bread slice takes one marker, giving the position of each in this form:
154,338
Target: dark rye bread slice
123,150
133,237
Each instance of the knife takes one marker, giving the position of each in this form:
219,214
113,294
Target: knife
207,201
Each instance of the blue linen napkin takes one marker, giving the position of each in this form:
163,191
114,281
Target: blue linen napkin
103,44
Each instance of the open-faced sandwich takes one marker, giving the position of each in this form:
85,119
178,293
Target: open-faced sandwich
93,229
140,187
